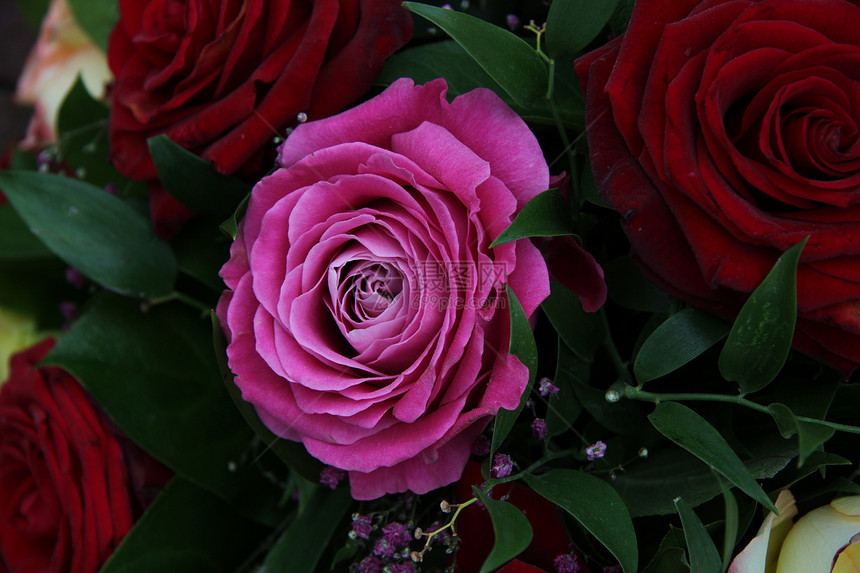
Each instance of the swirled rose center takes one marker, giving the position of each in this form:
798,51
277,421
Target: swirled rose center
366,289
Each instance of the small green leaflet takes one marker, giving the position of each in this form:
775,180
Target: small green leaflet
512,529
546,215
704,557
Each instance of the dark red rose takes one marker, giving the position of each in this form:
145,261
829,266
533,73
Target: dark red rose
70,486
726,131
222,78
475,528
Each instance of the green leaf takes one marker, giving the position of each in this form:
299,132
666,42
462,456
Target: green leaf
92,231
810,435
97,18
186,529
704,557
546,215
201,250
193,181
621,17
584,332
17,243
564,409
683,337
650,488
671,556
760,338
300,547
522,346
512,529
83,144
573,24
155,375
693,433
594,504
291,453
511,62
730,530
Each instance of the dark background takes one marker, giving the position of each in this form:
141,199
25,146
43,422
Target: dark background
17,36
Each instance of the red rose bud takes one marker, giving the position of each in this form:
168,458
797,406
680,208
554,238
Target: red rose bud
725,132
71,486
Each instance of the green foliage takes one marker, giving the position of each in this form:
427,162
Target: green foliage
594,504
546,215
761,336
512,530
92,231
704,557
572,24
693,433
512,63
97,18
186,529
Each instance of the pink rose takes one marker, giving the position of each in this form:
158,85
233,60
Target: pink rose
366,312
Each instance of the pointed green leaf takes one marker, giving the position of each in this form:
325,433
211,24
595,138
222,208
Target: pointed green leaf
760,338
584,332
704,557
730,529
17,242
92,231
186,529
546,215
300,547
193,181
97,18
573,24
512,530
511,62
596,505
681,338
809,434
522,346
154,373
693,433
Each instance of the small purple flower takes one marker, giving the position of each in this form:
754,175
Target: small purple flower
362,525
382,548
539,428
513,22
547,388
403,567
568,563
613,569
397,535
503,465
331,476
75,278
370,564
595,451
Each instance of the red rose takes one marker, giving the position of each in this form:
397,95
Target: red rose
70,487
222,78
726,131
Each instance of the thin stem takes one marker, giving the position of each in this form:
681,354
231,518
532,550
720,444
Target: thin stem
175,295
634,393
609,345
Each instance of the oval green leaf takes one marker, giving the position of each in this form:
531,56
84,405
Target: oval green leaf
93,231
596,505
97,18
693,433
760,338
512,529
810,435
510,61
681,338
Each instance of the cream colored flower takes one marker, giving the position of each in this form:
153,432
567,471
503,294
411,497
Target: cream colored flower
825,540
62,52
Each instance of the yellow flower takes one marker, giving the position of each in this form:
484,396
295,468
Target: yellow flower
825,540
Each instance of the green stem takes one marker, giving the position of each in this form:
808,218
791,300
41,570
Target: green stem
175,295
634,393
609,345
544,460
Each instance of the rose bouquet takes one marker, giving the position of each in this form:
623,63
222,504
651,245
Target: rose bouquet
350,285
